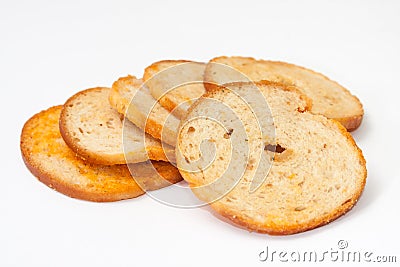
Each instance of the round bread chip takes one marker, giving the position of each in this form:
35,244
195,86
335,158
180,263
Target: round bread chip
329,98
308,170
176,84
48,157
130,97
99,134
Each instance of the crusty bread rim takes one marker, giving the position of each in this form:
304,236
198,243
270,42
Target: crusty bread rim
351,123
74,192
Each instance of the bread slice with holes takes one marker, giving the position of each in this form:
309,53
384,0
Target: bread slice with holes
48,157
130,97
99,134
176,84
329,98
264,162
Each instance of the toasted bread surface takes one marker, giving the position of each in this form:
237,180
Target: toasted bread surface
49,158
176,84
309,169
131,98
329,98
99,134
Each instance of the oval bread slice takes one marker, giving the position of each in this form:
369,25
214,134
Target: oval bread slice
99,134
329,98
176,84
48,157
132,99
313,172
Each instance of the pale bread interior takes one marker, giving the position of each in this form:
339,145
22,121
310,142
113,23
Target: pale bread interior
329,98
176,84
97,132
318,176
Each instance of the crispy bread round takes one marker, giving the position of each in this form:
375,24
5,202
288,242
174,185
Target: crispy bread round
48,157
312,170
130,97
176,84
329,98
99,134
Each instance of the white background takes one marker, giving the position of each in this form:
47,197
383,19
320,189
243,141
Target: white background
49,50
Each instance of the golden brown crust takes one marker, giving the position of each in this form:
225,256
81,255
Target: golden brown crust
41,144
154,153
153,128
351,122
167,103
77,192
249,225
169,173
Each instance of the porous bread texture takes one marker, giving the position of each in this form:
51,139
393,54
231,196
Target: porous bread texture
329,98
99,134
130,97
176,84
48,157
311,169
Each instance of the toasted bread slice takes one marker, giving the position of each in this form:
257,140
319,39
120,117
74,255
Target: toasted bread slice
99,134
132,99
48,157
329,98
176,84
310,167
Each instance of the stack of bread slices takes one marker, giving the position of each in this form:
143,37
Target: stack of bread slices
266,144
